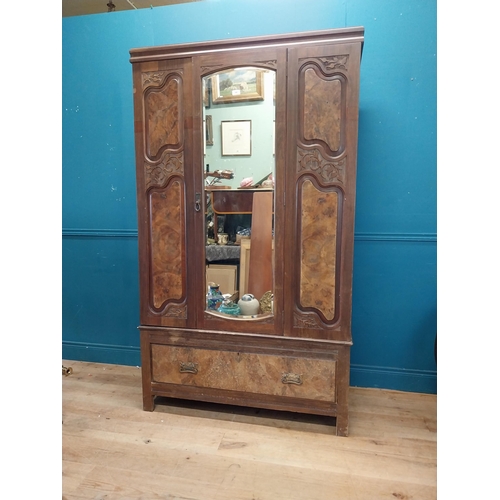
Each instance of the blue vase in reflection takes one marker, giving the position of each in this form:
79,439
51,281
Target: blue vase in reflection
214,297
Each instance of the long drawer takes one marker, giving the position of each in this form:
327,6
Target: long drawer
270,374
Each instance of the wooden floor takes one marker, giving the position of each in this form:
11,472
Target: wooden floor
112,449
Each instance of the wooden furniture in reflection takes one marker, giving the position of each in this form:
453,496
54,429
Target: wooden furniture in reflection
246,245
297,358
260,279
232,201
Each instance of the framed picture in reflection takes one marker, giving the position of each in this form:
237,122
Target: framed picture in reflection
238,85
236,137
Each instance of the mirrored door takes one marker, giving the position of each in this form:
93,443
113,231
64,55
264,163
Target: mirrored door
239,171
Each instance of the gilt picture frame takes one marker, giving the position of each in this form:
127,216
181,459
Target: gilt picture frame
238,85
209,134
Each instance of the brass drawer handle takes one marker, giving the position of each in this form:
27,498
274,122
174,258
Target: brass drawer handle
188,367
291,378
67,370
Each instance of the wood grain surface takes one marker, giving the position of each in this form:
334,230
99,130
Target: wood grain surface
318,249
322,109
247,372
162,117
167,243
112,449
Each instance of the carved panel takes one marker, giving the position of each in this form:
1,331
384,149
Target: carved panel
207,69
246,372
210,69
328,171
157,174
318,249
270,63
322,110
175,311
167,244
332,63
163,120
302,321
152,78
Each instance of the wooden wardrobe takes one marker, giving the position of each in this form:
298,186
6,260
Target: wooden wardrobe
295,357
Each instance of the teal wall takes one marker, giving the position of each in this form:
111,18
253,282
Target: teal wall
394,291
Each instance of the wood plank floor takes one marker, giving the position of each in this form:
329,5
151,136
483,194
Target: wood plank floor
112,449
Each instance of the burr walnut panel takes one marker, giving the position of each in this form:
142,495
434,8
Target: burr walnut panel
322,110
163,121
167,243
275,375
318,249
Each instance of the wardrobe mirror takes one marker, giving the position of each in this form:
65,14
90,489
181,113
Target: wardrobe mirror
239,173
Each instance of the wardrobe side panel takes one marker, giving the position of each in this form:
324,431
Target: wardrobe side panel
323,86
162,108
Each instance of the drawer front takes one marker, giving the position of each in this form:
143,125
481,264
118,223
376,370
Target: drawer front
275,375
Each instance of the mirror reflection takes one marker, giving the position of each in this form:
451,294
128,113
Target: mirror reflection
239,172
